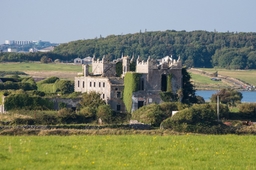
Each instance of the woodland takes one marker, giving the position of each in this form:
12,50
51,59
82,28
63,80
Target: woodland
230,50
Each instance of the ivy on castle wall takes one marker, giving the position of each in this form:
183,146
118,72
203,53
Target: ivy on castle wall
169,82
131,84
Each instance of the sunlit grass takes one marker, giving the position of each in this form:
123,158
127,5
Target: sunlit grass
128,152
36,66
199,80
248,76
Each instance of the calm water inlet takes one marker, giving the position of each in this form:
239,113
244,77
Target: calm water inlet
248,96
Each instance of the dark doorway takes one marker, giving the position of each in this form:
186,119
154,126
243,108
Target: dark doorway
140,104
164,82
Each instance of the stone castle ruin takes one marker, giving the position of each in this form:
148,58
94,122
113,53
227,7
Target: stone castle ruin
103,79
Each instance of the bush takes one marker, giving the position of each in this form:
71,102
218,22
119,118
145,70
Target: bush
154,114
198,118
149,114
104,113
23,121
247,110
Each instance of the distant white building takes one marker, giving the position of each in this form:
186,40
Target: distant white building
86,60
11,50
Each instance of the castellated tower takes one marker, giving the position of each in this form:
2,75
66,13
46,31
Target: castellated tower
85,70
126,65
103,67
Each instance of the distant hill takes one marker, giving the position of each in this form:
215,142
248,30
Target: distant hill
202,49
196,49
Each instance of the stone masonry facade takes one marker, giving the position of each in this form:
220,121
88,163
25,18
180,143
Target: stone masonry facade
154,73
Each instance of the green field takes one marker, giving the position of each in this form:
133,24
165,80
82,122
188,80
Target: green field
248,76
128,152
200,81
36,66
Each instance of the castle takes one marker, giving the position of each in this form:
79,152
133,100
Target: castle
103,79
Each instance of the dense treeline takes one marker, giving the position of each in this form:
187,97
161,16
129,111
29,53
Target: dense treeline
24,57
196,49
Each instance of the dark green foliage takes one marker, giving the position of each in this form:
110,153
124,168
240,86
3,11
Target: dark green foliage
168,96
131,84
132,66
23,121
119,69
149,114
154,114
104,113
64,86
223,110
68,116
15,83
228,96
49,80
56,85
196,48
3,73
24,101
24,57
188,90
45,59
91,100
247,110
120,117
198,118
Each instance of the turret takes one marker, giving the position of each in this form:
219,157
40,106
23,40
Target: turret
86,70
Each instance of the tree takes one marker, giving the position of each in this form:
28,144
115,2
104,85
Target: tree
91,100
150,114
44,59
188,91
228,96
104,113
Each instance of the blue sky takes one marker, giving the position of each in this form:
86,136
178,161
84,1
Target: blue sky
62,21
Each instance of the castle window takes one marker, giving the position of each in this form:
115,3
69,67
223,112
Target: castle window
94,84
99,84
141,84
103,96
90,84
103,84
118,94
164,82
78,83
118,107
83,84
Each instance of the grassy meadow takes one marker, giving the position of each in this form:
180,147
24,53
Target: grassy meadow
37,69
248,76
36,66
128,152
201,81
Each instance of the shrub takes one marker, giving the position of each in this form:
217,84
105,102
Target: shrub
247,110
198,118
23,121
24,101
104,113
149,114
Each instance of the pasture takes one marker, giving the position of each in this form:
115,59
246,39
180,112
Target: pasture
36,69
36,66
201,81
247,76
128,152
